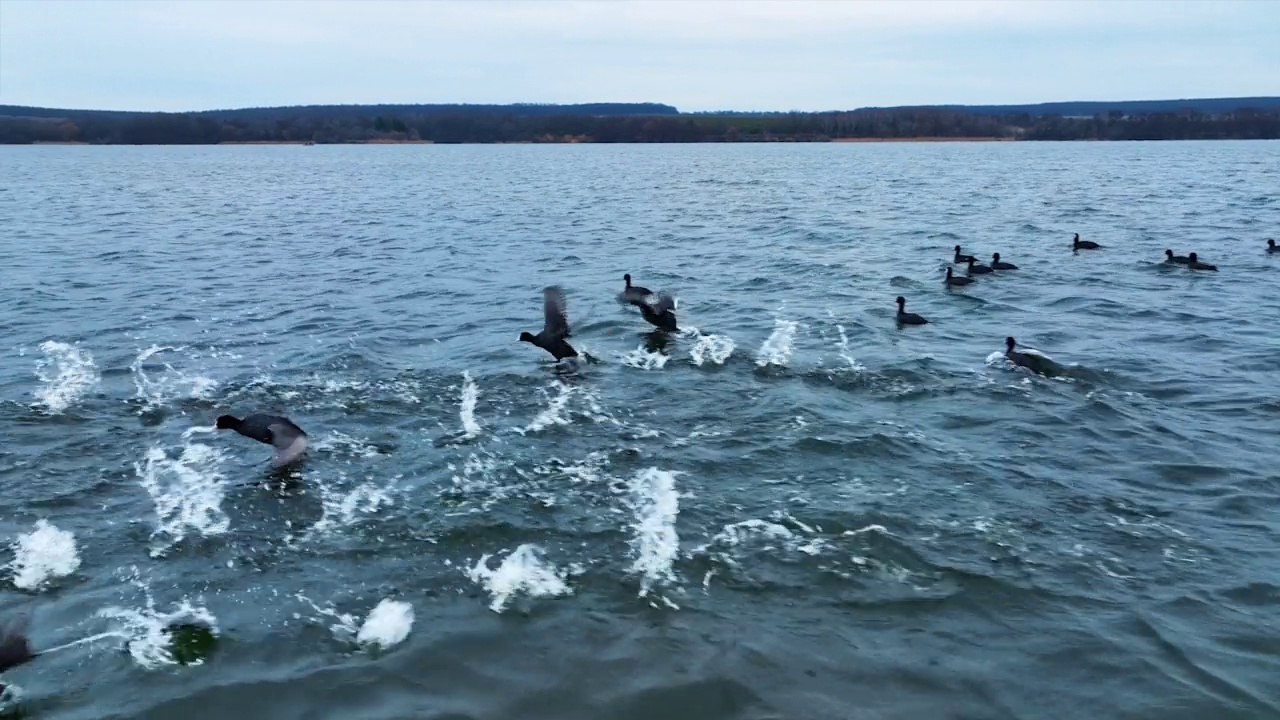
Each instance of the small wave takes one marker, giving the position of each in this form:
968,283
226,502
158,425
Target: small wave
345,508
655,503
67,372
467,406
845,355
43,554
187,492
557,410
776,349
716,348
342,443
523,572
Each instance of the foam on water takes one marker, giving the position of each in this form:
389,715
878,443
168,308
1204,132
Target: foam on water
523,572
343,508
43,554
170,384
557,411
655,503
344,626
467,406
845,354
187,491
776,349
147,629
642,359
67,373
388,624
713,348
339,442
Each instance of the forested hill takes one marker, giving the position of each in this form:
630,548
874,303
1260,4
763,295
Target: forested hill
1217,119
1207,106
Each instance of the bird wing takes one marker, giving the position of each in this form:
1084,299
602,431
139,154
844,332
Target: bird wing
557,319
284,433
660,302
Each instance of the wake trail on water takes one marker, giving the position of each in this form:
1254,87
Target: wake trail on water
42,555
187,488
161,388
776,349
652,495
68,373
525,572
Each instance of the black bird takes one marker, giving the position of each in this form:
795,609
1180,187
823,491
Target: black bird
976,269
1194,264
555,327
1271,246
1078,244
15,649
279,432
1169,257
995,263
1031,359
961,258
658,308
906,318
952,280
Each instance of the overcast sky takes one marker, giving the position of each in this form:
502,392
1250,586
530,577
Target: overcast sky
745,55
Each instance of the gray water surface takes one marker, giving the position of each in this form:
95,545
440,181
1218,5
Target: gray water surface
791,509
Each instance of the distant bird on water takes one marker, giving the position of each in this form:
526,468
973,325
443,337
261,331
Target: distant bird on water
15,649
1078,244
906,318
1194,264
995,263
555,326
657,308
961,258
953,281
1271,246
1169,257
288,439
976,269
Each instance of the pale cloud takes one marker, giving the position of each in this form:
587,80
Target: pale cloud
752,54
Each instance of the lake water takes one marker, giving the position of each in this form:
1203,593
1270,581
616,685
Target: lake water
791,509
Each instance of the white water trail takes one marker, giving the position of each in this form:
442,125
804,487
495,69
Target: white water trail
67,372
169,385
656,504
713,348
147,630
187,491
388,624
776,349
467,406
523,572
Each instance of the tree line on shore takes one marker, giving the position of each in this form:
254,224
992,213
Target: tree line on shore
622,124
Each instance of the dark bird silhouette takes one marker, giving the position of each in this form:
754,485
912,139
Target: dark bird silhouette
15,649
657,308
953,281
1078,244
279,432
1031,359
976,269
961,258
555,326
1271,246
1194,264
906,318
998,265
1169,257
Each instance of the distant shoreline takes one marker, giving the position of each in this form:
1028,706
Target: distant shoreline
927,138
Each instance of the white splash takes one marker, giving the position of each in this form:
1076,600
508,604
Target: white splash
845,354
642,359
716,348
170,384
67,373
344,508
43,554
388,624
147,630
344,626
655,503
776,349
467,406
340,442
555,413
187,492
522,572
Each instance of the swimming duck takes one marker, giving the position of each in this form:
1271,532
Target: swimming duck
1271,246
278,431
961,258
976,269
1194,264
1030,359
555,326
1078,244
632,293
15,649
953,281
906,318
998,265
1169,257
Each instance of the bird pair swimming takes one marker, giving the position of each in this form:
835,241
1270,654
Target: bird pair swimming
657,308
975,268
1192,261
